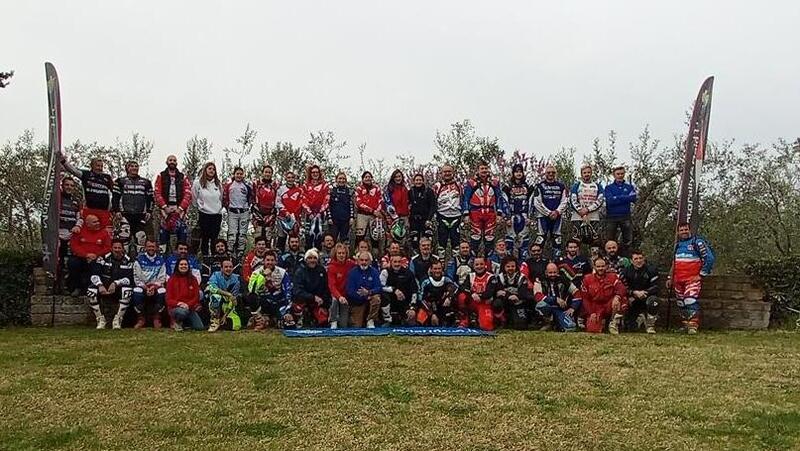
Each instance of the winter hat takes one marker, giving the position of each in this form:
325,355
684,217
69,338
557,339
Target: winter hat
311,253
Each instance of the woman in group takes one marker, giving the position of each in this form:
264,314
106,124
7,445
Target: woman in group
396,202
338,268
183,297
207,197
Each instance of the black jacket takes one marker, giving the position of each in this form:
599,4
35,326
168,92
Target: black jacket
422,203
644,279
310,282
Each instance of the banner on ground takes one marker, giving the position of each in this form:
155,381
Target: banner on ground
384,331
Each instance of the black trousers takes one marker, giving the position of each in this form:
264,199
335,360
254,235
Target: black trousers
210,225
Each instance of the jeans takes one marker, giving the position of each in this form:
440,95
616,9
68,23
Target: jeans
340,313
210,226
182,316
181,233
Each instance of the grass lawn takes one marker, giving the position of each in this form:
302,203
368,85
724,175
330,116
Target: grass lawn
79,388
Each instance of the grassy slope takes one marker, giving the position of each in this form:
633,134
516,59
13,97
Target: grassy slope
78,388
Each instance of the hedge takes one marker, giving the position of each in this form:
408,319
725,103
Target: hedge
780,278
16,286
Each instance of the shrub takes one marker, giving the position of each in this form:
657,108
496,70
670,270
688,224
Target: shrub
16,285
780,278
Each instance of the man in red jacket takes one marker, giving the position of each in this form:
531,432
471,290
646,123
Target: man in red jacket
89,243
604,297
173,195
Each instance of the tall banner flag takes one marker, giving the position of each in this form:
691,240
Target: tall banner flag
52,188
695,152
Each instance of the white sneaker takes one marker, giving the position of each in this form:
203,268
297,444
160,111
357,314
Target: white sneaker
214,325
334,325
101,322
370,324
613,325
177,326
117,323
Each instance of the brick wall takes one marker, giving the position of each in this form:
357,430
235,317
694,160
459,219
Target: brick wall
727,302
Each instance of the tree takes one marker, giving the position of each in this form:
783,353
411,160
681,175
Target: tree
23,170
282,156
461,147
198,152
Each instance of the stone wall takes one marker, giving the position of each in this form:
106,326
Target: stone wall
727,302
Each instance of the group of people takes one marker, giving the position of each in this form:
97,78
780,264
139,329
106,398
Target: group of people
408,266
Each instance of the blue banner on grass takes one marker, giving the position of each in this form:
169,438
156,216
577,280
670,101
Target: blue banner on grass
383,331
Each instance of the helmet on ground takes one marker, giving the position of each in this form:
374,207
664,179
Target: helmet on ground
398,230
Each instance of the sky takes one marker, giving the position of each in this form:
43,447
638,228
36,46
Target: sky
537,75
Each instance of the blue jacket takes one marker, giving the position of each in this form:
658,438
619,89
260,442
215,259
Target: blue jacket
619,196
359,278
232,285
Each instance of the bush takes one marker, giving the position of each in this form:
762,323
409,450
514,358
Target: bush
780,278
16,285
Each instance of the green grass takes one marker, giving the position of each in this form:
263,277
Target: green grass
83,389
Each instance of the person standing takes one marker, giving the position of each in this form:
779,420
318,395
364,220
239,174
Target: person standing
369,211
97,187
518,196
207,197
263,210
68,222
694,259
396,204
342,209
173,195
237,197
289,204
483,206
619,196
449,196
316,197
133,200
549,202
422,206
587,201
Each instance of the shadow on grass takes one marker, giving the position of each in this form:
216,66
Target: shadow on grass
50,439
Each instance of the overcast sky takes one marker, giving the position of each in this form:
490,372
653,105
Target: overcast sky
538,75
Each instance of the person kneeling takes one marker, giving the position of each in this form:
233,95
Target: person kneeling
399,293
557,297
311,294
112,276
512,294
183,297
269,296
224,289
150,275
437,299
363,288
604,298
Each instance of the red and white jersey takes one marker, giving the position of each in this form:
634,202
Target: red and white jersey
448,198
368,199
316,197
479,283
265,195
289,200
